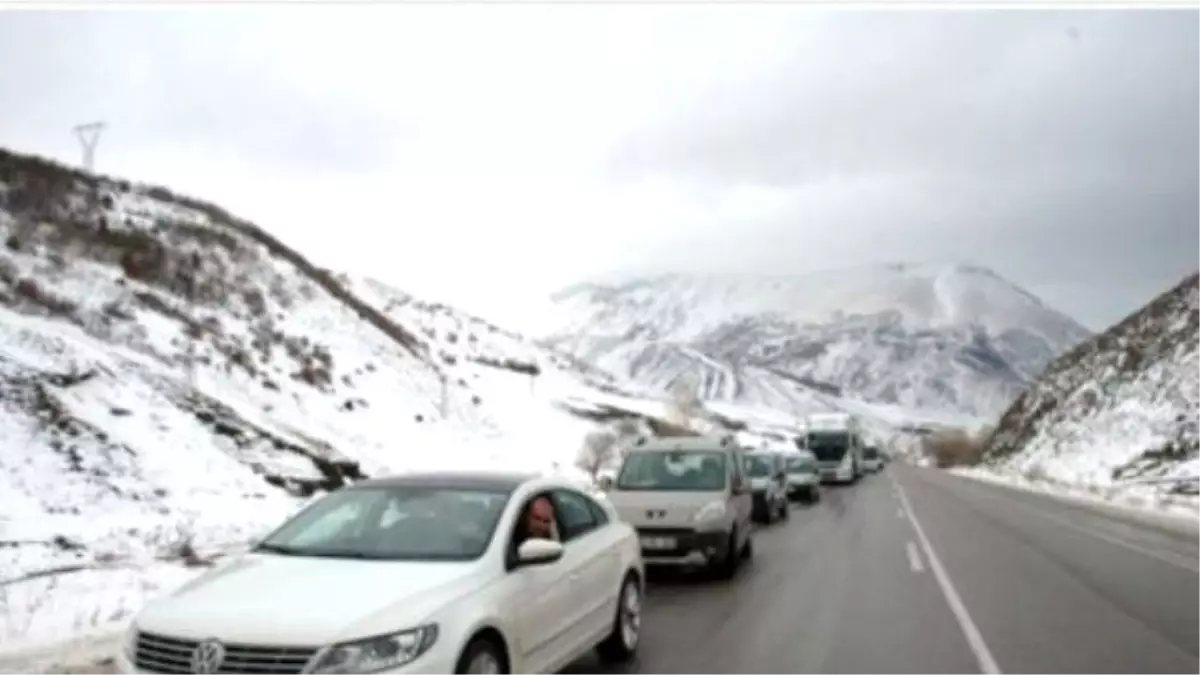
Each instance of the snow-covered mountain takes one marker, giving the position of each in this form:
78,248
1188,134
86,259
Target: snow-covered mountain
175,378
1121,407
953,339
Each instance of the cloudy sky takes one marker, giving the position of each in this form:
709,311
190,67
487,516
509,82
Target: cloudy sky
486,155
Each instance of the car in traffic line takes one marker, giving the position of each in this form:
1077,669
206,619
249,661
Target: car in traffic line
872,461
768,485
421,573
803,477
689,499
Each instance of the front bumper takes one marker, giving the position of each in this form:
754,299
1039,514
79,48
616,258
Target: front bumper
687,547
440,658
803,486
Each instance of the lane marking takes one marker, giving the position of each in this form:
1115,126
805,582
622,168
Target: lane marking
914,558
899,512
983,655
1169,557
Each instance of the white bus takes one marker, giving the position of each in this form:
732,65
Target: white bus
836,440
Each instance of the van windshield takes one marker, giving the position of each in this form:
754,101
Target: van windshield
683,470
759,466
801,464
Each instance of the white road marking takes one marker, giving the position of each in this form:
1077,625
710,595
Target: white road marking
983,655
899,513
914,558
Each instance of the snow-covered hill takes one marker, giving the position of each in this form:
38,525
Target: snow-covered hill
174,379
951,339
1119,408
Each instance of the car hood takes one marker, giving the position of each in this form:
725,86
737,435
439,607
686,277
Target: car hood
661,509
283,600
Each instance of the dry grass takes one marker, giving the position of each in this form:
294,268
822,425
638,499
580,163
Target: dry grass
954,447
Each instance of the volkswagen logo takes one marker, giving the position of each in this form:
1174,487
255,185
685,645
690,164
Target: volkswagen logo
207,657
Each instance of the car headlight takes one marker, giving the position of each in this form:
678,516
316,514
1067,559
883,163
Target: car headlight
130,642
711,511
383,652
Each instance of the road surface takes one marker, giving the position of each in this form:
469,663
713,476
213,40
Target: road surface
918,571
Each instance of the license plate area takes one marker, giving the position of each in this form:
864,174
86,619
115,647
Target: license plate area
658,543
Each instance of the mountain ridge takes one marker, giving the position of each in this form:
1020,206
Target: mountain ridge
869,331
1118,407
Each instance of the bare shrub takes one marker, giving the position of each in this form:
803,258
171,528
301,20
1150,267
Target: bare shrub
34,292
954,447
598,450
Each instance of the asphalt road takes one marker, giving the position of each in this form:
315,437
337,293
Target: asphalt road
917,571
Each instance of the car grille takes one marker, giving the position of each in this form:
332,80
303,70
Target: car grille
162,654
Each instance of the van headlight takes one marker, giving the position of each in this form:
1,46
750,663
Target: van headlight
374,654
711,511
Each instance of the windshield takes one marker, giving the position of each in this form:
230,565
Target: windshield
700,471
870,452
828,446
759,466
393,523
801,464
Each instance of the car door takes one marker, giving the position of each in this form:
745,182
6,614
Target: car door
591,562
540,597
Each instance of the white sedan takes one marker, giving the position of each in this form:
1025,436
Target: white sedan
423,573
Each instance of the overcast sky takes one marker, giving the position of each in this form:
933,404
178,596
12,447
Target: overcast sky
487,155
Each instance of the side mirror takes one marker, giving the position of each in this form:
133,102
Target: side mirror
605,483
538,552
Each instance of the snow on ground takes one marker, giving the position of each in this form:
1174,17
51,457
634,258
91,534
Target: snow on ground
1135,499
174,382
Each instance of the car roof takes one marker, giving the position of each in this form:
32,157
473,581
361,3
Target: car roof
489,481
684,443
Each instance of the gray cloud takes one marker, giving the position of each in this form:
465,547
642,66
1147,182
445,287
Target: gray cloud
1060,148
190,79
532,145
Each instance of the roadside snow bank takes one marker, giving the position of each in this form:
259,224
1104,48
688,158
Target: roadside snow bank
1141,502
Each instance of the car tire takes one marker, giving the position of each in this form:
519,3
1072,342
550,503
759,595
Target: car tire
728,566
482,655
621,645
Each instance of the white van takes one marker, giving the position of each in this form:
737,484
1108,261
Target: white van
689,500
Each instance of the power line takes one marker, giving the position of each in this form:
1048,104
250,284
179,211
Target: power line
89,135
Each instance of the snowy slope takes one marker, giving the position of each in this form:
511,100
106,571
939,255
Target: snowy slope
1120,408
951,339
174,380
